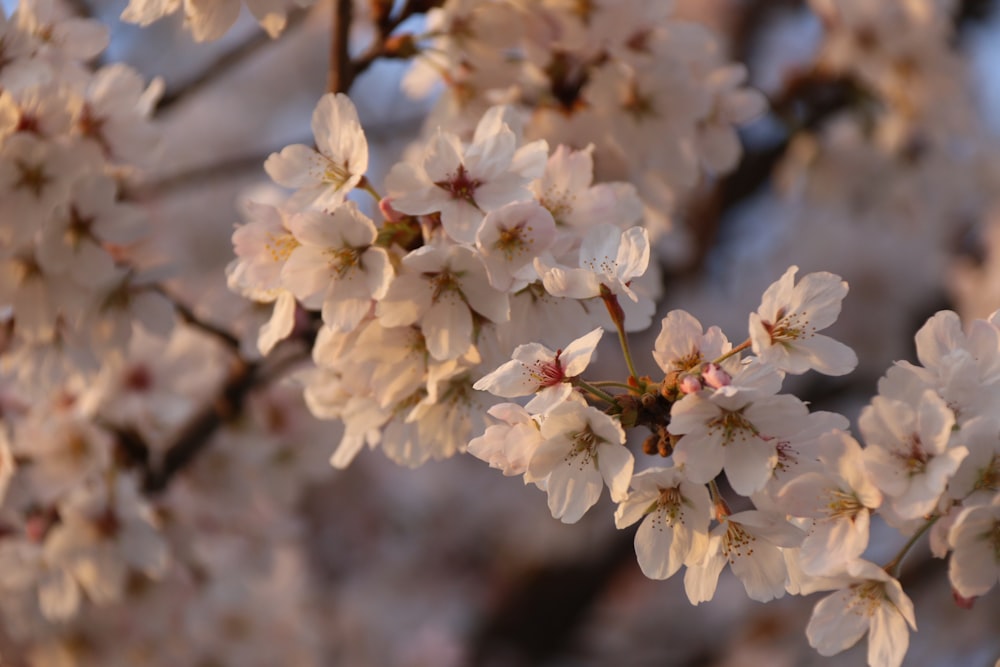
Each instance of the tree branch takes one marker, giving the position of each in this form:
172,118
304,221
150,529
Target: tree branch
225,62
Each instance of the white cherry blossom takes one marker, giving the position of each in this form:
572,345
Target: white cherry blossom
675,514
751,543
323,178
608,257
442,289
974,567
583,449
535,369
461,182
784,328
869,601
908,454
335,264
510,238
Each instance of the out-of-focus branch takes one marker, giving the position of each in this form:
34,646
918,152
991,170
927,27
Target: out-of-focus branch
341,72
199,431
226,62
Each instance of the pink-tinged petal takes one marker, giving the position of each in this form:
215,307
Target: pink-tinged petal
763,573
659,547
833,627
888,638
748,464
377,271
442,158
570,283
307,272
573,489
702,459
460,219
820,353
411,192
58,596
974,567
447,326
509,381
701,580
295,166
549,397
833,542
280,326
577,355
615,463
637,505
406,300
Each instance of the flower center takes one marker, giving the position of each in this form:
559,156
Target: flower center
460,185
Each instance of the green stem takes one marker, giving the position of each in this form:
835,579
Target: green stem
599,393
736,350
613,383
618,317
892,567
367,186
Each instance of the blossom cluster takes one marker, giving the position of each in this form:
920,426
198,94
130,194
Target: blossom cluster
653,93
69,139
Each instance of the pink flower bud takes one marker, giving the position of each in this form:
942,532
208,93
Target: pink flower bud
715,377
390,214
962,602
689,384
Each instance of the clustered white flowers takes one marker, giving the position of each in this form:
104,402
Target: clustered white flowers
458,305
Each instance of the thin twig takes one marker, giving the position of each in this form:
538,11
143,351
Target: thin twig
225,62
189,316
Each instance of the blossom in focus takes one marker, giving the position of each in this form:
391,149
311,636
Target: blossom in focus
784,328
535,369
675,514
323,178
583,450
869,601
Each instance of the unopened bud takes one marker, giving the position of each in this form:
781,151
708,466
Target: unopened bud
962,602
715,377
689,384
388,212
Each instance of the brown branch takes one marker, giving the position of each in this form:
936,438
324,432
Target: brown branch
341,73
188,315
199,431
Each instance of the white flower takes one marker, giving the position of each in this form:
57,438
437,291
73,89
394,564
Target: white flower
510,445
461,183
908,453
441,289
783,329
839,501
683,346
323,178
974,567
510,238
736,428
608,257
675,514
566,189
583,449
751,543
870,601
336,265
535,369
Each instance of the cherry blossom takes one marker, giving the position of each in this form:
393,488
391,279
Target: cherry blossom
583,449
462,183
324,177
535,369
783,329
869,601
974,567
333,262
675,515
